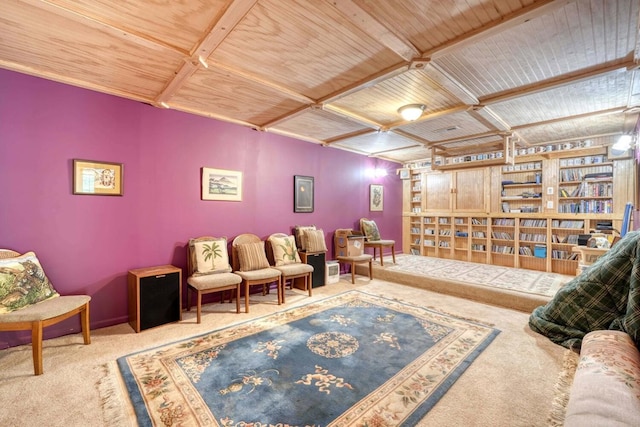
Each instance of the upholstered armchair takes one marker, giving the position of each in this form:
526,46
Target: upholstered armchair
28,301
249,261
282,254
372,239
210,271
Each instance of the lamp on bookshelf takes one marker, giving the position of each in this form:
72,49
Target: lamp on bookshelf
623,143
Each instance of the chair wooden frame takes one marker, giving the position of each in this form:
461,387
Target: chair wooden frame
378,244
306,276
269,276
219,282
47,314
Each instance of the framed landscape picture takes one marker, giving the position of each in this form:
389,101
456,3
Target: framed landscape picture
221,184
302,193
97,178
376,197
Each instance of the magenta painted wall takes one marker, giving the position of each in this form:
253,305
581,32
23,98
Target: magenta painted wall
88,243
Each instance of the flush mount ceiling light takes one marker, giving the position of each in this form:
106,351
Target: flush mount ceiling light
623,143
411,112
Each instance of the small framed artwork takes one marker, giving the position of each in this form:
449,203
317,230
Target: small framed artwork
376,197
404,173
302,193
97,178
221,184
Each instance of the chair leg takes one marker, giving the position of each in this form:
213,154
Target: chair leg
246,297
309,282
393,253
189,296
237,291
199,306
36,344
371,269
353,273
84,323
381,256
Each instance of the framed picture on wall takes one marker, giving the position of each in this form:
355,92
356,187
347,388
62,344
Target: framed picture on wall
302,193
221,184
376,197
97,178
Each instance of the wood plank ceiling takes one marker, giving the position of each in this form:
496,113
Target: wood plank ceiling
336,72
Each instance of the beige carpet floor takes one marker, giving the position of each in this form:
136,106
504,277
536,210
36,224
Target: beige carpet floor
510,384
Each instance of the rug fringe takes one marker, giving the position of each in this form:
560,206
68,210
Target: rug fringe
562,389
112,398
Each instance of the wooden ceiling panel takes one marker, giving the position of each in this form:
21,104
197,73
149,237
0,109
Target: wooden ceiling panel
175,24
578,36
379,142
602,93
63,50
567,130
428,26
380,103
318,124
228,97
307,46
452,126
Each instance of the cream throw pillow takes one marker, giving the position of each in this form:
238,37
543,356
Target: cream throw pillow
284,250
301,239
209,256
315,241
252,256
23,283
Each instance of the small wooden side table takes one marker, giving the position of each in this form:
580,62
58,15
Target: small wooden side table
155,296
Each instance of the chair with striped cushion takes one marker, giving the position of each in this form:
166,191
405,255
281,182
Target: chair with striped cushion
249,261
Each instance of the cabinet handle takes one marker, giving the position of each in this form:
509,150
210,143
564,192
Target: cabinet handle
160,275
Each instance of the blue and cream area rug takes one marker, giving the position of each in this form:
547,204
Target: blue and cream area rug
350,359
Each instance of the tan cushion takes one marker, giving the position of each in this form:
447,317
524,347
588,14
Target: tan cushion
315,241
295,269
212,281
300,238
46,309
209,255
261,274
284,250
370,229
23,283
252,256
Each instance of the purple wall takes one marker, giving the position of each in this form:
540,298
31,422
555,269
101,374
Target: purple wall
88,243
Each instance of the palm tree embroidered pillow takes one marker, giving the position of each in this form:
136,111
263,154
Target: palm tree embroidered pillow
284,250
210,255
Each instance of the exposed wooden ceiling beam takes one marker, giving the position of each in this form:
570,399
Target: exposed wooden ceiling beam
361,132
371,26
231,16
568,118
559,81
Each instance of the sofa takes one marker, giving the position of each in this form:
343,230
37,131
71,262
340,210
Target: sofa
606,384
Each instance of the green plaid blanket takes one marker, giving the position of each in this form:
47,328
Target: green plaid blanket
605,296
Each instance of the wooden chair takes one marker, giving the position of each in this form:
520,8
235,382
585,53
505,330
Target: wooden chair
249,261
349,249
369,229
203,283
38,316
293,269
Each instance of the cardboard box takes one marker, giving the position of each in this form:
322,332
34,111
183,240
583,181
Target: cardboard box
348,244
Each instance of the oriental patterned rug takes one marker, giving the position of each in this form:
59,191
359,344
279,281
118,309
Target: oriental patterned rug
350,359
515,279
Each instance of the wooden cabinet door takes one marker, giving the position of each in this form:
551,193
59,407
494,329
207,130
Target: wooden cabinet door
470,193
437,191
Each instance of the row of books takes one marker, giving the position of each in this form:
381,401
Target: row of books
445,244
504,221
480,234
587,206
499,249
476,247
571,239
479,221
589,189
556,254
533,237
533,222
501,235
556,223
569,175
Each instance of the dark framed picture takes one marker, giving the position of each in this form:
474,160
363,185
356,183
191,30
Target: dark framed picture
302,193
97,178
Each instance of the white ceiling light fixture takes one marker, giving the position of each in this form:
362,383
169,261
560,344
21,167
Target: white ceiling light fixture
623,143
411,112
